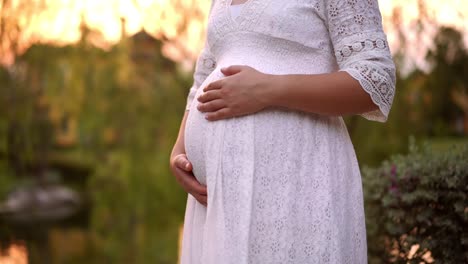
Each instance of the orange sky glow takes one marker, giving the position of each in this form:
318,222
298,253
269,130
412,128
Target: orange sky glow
60,22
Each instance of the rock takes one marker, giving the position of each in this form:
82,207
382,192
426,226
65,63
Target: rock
32,204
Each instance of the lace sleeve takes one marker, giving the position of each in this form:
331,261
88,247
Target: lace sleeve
205,64
361,49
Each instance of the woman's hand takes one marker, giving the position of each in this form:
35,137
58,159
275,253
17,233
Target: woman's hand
240,93
182,170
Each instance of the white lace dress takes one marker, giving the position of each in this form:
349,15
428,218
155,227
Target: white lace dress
283,186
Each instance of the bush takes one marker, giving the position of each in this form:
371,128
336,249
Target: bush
417,207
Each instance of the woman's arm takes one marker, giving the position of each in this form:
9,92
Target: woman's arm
181,167
179,146
329,94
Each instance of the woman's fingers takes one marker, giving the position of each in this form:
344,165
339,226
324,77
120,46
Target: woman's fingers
182,162
220,114
182,170
190,182
214,85
203,199
209,96
211,106
233,69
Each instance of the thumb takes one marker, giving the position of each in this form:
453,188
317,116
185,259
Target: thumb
233,69
184,163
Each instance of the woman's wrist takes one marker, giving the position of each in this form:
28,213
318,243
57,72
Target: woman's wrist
273,90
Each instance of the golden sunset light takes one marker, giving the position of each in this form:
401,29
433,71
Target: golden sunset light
58,21
447,13
15,254
116,121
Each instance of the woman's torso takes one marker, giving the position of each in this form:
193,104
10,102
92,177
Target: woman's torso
272,36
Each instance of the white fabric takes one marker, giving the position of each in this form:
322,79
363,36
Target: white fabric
235,10
283,186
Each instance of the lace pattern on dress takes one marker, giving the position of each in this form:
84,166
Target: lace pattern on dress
360,46
205,64
375,83
362,50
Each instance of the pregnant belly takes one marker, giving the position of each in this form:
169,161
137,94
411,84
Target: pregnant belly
212,146
201,134
238,142
209,145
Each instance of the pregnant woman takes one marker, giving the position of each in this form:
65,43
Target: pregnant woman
263,151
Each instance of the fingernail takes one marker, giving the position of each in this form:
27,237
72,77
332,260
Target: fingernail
186,165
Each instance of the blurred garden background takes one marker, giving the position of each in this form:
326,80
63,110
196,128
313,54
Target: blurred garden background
92,94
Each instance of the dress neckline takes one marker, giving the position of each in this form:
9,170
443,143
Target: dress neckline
236,6
230,3
236,22
235,10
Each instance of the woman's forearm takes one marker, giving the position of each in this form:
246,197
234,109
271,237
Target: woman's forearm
330,94
245,90
179,146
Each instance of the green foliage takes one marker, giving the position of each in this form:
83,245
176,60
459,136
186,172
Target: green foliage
6,179
117,112
419,198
